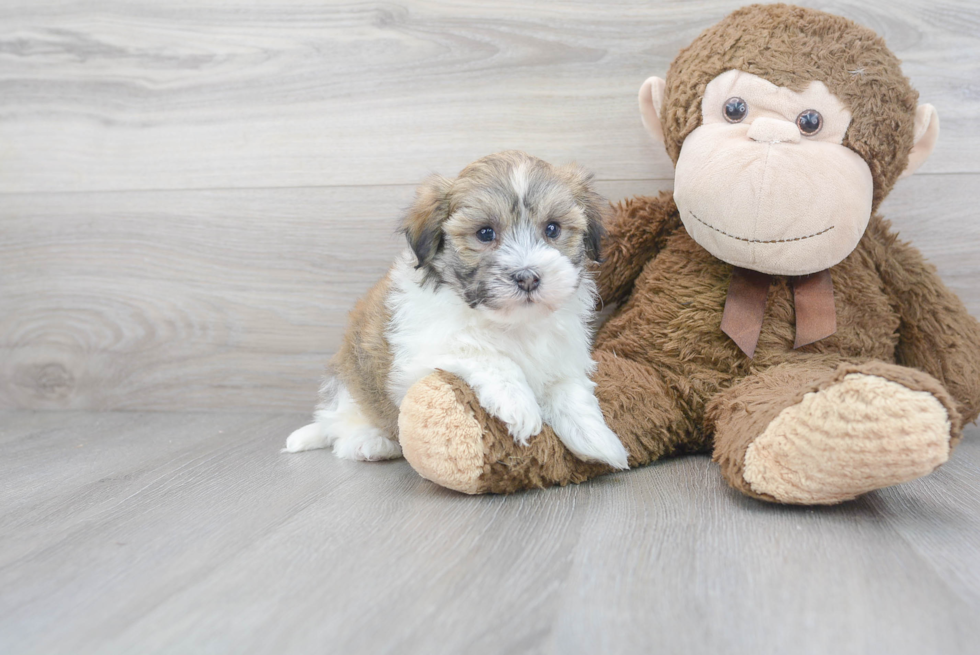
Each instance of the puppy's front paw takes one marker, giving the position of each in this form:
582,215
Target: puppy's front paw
591,440
519,411
609,449
524,426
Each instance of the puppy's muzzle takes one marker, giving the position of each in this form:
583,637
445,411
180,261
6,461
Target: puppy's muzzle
527,279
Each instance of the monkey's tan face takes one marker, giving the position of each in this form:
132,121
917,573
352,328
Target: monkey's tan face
765,182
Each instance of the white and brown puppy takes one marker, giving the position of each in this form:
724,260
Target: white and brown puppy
494,288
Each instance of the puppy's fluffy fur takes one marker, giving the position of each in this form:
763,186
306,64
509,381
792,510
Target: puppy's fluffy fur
496,288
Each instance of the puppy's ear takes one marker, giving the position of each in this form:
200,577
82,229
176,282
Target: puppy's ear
423,223
593,206
595,231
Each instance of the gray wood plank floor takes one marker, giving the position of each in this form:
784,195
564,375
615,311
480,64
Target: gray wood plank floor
186,533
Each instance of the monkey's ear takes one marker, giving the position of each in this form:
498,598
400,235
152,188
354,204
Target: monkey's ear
926,135
423,223
651,102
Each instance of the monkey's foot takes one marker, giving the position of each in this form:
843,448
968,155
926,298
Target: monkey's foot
863,433
451,440
440,436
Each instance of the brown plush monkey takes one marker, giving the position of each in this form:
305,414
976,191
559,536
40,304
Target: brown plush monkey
766,314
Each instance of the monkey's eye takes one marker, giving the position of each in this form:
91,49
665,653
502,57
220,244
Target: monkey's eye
486,234
735,110
809,122
552,230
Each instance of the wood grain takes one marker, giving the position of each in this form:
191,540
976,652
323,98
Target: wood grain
237,298
227,94
166,532
204,299
194,194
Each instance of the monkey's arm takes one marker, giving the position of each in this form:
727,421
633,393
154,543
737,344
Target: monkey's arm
634,235
937,335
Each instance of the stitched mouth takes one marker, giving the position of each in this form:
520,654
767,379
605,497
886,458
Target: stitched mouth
732,236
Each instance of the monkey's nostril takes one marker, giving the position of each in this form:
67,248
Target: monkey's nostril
526,279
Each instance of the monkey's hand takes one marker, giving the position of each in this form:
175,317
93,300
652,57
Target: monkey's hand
635,233
937,334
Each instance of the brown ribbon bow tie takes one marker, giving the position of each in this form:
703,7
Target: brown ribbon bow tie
745,306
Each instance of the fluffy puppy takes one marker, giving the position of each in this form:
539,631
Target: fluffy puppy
496,288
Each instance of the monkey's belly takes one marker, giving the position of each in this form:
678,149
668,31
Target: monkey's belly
673,317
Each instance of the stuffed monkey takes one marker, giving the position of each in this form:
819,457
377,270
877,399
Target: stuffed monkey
766,313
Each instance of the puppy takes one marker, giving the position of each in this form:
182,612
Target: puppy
495,288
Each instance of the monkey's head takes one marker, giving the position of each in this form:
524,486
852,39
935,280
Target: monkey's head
787,128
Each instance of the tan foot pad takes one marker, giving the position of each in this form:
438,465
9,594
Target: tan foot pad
439,436
861,434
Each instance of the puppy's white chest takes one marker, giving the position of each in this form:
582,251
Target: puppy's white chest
433,328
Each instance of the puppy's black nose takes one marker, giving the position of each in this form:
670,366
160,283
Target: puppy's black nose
526,279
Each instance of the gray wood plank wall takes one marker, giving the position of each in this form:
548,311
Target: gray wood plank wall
193,194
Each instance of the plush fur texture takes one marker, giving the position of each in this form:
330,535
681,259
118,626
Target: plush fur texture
439,415
669,382
790,47
828,447
454,457
781,400
497,288
900,375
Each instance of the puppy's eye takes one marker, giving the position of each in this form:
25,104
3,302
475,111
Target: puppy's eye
552,230
735,110
486,234
809,122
